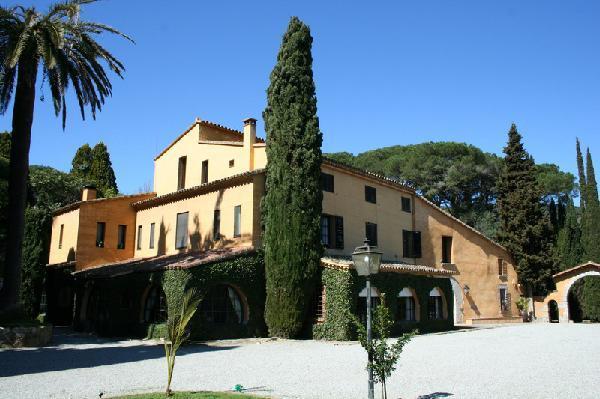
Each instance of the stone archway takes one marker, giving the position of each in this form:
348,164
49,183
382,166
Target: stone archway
564,281
553,316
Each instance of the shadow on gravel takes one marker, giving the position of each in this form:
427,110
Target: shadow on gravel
15,362
435,395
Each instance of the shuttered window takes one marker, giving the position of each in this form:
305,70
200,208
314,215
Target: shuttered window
327,182
181,231
505,299
411,244
237,221
122,233
152,225
139,237
217,225
339,232
332,231
181,173
204,172
446,249
406,206
60,236
371,233
501,267
100,233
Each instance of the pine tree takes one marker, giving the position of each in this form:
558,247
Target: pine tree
82,162
591,215
5,145
101,171
553,216
568,245
293,200
524,229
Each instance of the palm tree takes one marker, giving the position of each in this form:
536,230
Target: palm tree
63,49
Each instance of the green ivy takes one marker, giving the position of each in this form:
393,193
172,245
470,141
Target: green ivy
342,289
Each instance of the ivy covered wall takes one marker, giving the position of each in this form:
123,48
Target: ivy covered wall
342,289
114,306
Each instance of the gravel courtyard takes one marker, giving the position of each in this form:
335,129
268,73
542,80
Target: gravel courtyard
520,361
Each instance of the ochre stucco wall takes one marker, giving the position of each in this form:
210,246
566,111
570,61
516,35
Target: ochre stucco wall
200,221
70,220
348,201
474,258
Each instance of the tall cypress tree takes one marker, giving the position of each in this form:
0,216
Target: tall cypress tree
101,171
568,245
82,162
590,224
293,200
524,229
581,173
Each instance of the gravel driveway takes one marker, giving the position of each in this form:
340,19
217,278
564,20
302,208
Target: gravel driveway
520,361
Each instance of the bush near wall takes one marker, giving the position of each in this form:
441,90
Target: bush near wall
121,305
342,289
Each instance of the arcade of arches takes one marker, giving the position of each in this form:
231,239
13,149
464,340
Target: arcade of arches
555,306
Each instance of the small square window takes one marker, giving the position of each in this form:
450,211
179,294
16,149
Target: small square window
100,233
231,163
327,182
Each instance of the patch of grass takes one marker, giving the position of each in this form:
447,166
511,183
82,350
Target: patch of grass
191,395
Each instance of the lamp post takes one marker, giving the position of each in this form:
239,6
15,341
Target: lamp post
366,261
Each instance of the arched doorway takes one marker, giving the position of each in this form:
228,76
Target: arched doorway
223,304
553,312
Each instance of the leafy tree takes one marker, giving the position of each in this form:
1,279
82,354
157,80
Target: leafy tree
177,332
5,145
82,162
383,355
554,183
293,197
101,171
590,298
524,230
568,244
64,48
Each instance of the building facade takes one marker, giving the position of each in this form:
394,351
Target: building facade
205,211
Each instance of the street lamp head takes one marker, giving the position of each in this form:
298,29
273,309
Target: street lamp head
366,259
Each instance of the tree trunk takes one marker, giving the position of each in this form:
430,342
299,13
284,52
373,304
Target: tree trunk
17,180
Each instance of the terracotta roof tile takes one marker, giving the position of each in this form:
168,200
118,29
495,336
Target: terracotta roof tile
76,205
345,264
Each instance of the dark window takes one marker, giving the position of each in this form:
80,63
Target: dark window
370,194
411,243
237,221
325,231
139,237
222,304
406,206
181,173
152,235
100,232
231,163
406,309
504,299
217,225
155,308
446,249
362,305
332,231
327,182
434,308
122,234
204,172
339,232
181,230
60,235
501,267
371,233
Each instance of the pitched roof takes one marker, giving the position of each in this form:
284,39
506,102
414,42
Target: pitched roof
241,178
576,268
76,205
239,136
345,263
185,260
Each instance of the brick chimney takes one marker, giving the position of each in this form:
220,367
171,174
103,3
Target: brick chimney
89,193
249,140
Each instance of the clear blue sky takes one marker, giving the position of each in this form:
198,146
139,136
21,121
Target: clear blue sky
386,73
